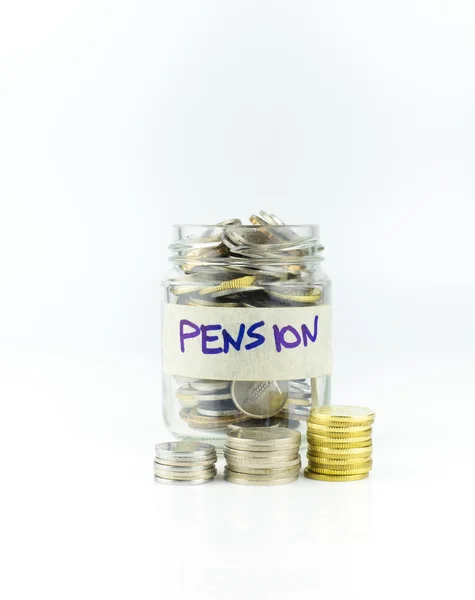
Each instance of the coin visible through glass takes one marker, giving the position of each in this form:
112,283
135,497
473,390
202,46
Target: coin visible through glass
260,399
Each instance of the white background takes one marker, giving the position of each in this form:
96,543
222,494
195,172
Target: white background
120,118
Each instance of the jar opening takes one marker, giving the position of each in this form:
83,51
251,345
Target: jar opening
238,245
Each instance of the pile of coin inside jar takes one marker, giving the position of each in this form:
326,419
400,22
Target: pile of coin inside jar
184,463
262,457
221,405
339,443
230,265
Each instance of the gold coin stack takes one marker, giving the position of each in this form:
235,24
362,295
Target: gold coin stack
339,443
262,456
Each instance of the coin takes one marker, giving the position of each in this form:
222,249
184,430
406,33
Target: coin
187,470
339,432
263,439
256,480
253,469
285,421
322,477
319,440
338,465
295,401
203,464
310,298
182,481
269,456
260,399
185,449
233,291
346,415
180,290
197,421
203,474
219,412
339,453
353,471
245,281
210,386
212,397
297,412
202,302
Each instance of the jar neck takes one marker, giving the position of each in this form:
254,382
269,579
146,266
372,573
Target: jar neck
239,248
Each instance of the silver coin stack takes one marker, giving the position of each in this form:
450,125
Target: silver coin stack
184,463
259,456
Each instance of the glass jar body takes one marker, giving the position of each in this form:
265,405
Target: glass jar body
245,338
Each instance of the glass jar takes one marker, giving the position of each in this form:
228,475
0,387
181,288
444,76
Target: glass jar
246,328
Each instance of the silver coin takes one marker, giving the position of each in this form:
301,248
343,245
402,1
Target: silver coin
194,301
184,449
262,467
205,474
273,455
299,414
178,482
183,469
233,291
185,390
274,472
217,413
203,464
202,397
270,422
302,384
210,385
263,439
260,399
297,409
256,480
182,379
299,394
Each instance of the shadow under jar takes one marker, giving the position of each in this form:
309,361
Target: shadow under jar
246,328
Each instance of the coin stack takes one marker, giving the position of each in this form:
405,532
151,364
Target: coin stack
339,443
259,456
207,403
184,463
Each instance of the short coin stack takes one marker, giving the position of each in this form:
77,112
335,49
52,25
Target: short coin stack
339,443
260,456
184,463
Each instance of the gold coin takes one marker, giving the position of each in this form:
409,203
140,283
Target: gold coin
322,477
339,453
312,296
342,416
179,290
246,281
352,471
339,465
319,440
339,432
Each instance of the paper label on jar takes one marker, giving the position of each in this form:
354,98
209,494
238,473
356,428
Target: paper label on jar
247,344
